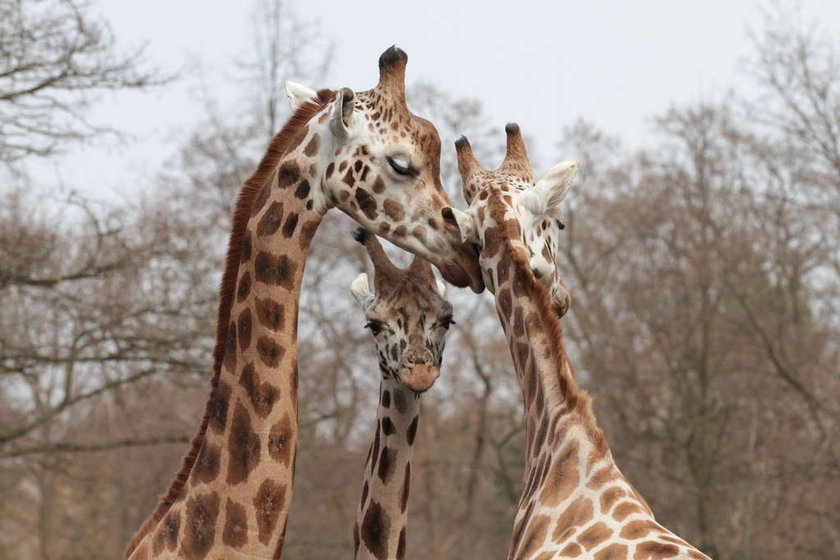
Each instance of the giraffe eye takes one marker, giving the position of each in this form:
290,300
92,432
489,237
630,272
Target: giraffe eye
401,167
446,322
374,326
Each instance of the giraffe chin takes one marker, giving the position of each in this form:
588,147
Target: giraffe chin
419,377
561,299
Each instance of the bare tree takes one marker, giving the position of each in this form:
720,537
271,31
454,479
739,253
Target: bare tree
55,56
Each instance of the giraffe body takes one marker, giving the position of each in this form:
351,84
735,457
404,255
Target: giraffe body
369,156
409,319
575,502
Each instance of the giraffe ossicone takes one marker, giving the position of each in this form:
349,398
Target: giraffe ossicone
409,319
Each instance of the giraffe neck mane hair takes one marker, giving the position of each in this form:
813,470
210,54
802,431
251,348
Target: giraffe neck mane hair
266,170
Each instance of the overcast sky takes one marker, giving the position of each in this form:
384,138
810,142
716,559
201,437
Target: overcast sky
542,64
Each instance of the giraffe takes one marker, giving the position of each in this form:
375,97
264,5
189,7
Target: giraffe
368,155
409,320
575,502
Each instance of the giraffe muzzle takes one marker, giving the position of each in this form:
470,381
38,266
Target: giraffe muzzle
561,299
419,377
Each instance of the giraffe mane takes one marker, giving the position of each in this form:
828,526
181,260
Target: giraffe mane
277,148
575,397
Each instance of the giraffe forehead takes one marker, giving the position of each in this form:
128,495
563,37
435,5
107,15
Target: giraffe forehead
485,185
392,118
410,301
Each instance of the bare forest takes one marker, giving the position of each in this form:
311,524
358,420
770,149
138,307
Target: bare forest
704,268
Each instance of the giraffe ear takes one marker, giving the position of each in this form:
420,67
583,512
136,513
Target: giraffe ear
341,113
360,288
553,187
441,287
464,221
533,200
299,94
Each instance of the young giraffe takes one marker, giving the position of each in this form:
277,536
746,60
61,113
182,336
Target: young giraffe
409,319
368,155
575,502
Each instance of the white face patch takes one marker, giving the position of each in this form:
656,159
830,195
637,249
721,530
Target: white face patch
540,233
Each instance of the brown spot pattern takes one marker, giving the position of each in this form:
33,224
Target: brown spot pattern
412,431
386,464
206,467
534,536
243,447
167,534
594,535
406,487
654,551
302,190
229,360
244,288
578,514
612,552
279,447
269,502
219,403
290,225
288,174
378,185
244,326
367,203
270,221
637,529
562,478
270,352
235,533
270,313
375,527
277,270
393,209
200,526
312,146
262,395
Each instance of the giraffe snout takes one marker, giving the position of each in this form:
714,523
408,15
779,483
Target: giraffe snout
419,377
561,298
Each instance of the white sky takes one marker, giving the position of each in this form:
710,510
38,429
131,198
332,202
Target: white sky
542,64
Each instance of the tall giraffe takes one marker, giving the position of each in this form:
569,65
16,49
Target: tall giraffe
575,503
409,320
368,155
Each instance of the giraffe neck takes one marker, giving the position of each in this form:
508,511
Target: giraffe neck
236,498
575,502
383,510
534,337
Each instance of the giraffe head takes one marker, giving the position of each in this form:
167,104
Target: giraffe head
382,167
407,315
508,203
